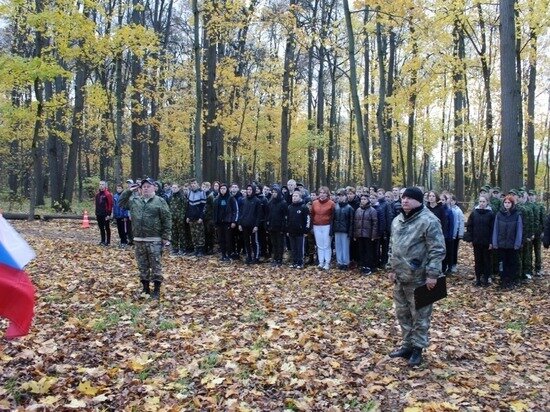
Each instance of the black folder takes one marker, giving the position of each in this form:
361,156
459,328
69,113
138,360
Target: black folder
424,297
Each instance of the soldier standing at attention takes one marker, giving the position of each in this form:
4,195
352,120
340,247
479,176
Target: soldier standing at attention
417,250
196,203
178,207
152,228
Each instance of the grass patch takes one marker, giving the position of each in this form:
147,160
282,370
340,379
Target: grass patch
517,325
12,388
210,361
255,315
167,325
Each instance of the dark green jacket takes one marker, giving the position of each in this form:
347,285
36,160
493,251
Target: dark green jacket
150,217
526,212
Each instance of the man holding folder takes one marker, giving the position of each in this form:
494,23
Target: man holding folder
417,249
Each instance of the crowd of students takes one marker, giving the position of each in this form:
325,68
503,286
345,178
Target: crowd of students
258,223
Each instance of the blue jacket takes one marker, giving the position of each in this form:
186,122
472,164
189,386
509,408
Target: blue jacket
118,211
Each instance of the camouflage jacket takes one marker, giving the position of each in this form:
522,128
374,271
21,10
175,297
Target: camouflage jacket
151,218
417,246
527,216
539,218
178,206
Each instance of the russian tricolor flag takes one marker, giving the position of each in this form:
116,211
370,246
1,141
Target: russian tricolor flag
16,289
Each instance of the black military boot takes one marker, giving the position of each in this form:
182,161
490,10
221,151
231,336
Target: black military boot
416,357
402,352
156,291
146,288
484,281
477,281
200,251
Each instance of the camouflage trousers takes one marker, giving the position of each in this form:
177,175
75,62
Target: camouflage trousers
415,324
537,243
148,256
526,259
178,234
197,233
210,235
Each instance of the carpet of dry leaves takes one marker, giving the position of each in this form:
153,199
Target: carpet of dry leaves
235,338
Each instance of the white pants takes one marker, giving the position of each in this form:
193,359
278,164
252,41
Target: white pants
322,240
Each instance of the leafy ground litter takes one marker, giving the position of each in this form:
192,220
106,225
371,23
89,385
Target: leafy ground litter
235,338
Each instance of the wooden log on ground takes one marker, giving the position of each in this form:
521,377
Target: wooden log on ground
69,217
18,216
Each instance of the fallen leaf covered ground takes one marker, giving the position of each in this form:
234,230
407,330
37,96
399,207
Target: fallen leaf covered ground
236,338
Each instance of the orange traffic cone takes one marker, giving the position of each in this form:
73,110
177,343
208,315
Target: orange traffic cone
85,220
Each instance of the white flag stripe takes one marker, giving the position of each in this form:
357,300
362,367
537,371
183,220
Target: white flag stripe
13,248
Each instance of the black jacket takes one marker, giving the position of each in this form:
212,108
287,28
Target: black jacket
249,214
479,227
277,210
298,220
225,209
441,212
342,220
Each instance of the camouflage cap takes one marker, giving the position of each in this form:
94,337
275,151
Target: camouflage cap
485,188
147,180
532,192
513,192
496,189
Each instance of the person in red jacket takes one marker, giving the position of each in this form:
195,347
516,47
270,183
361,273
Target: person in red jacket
322,211
103,212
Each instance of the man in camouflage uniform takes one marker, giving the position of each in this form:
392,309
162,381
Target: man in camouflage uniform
178,207
495,201
196,201
210,238
417,250
496,204
152,225
538,229
526,250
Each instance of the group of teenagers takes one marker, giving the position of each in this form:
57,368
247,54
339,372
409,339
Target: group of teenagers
258,223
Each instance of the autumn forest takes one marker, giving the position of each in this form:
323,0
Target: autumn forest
445,94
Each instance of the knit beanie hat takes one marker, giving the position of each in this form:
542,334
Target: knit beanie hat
414,193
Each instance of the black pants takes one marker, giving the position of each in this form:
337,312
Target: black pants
509,258
129,232
447,262
104,229
297,249
238,243
366,252
225,238
455,251
384,250
251,245
482,261
122,228
278,244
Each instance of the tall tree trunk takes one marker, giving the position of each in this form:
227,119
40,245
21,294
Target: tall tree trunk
512,167
137,104
320,176
76,132
310,124
197,156
531,88
409,179
361,134
332,147
458,86
289,67
382,115
213,167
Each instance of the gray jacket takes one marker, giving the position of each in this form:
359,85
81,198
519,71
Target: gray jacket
417,246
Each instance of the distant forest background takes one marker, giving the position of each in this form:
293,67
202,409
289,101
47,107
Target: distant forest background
450,94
